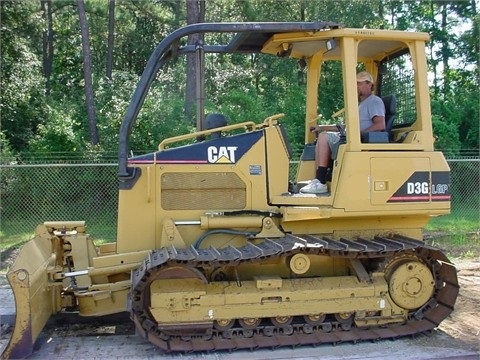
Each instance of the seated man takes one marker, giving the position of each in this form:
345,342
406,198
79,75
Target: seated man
372,118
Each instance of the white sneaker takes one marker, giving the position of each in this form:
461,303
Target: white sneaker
314,187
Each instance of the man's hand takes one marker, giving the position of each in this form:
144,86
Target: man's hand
321,128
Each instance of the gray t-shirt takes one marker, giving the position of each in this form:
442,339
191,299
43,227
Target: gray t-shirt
369,108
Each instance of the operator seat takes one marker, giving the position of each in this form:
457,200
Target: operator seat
390,103
213,121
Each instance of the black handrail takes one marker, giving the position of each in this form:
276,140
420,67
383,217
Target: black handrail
169,48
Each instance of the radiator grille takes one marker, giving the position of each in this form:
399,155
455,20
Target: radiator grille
202,191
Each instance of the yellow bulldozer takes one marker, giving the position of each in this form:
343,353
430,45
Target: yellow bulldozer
217,249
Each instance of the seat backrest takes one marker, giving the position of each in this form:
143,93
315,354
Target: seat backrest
390,103
213,121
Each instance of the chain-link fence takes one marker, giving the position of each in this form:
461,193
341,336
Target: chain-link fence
34,193
465,190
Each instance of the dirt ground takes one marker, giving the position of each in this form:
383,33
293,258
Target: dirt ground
464,323
457,337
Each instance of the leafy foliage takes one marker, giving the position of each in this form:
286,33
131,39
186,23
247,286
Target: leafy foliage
242,88
22,94
59,134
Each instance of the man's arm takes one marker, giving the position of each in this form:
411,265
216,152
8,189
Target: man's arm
378,124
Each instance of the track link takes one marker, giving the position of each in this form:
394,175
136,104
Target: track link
421,320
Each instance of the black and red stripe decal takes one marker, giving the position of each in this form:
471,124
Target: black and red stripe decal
424,186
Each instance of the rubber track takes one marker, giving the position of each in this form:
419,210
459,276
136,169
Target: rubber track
422,320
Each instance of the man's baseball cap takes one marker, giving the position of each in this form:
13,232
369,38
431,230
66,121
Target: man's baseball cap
364,76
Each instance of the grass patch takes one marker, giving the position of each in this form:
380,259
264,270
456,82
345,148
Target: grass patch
460,221
11,239
14,241
101,241
463,246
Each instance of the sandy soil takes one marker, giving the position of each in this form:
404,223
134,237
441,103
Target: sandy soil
463,324
457,337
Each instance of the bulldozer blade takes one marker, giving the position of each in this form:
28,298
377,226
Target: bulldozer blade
33,293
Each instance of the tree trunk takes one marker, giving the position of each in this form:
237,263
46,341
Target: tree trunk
110,41
476,34
195,14
445,50
87,71
47,43
433,60
111,32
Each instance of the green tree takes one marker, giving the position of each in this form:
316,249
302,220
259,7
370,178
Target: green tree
454,65
22,90
87,72
42,95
